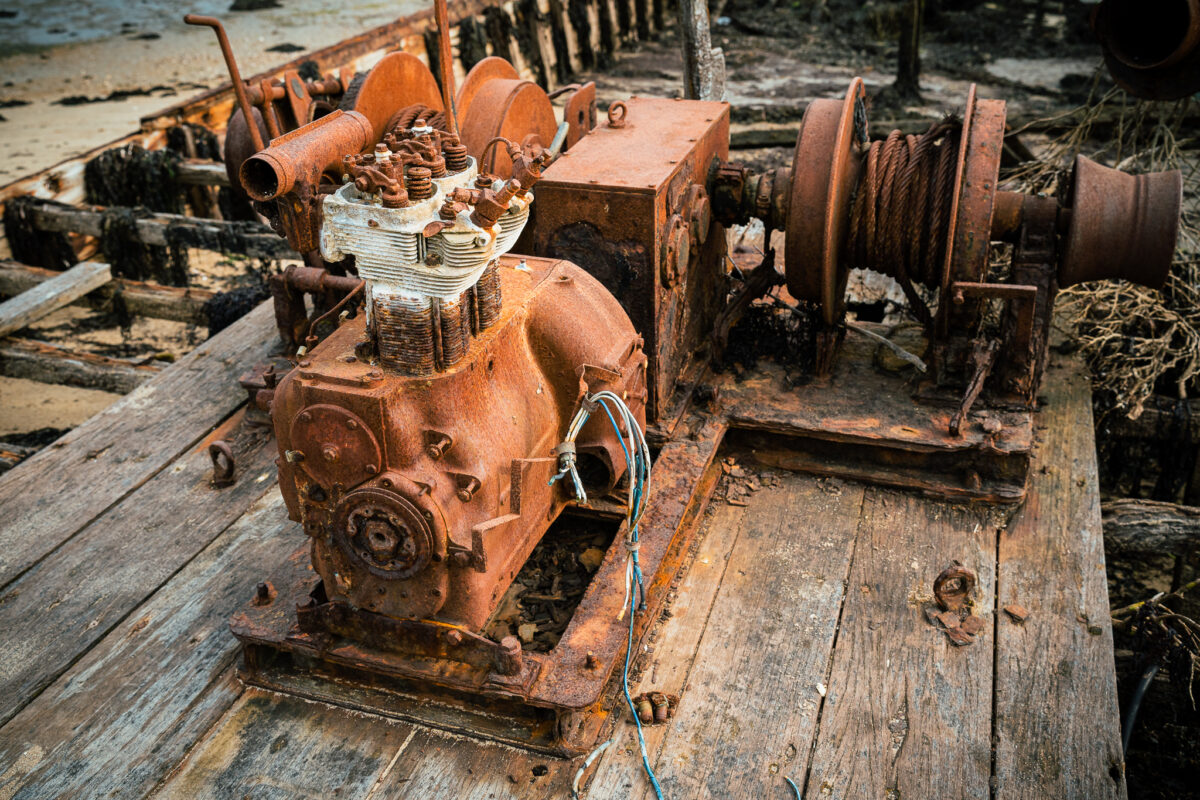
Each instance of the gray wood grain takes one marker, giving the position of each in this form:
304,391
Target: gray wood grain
46,363
276,746
907,713
49,497
54,612
749,711
61,290
123,716
1057,724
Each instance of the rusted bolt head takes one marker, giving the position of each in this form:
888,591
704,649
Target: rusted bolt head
454,637
329,453
464,495
263,594
991,425
511,645
590,660
460,559
371,469
953,587
351,424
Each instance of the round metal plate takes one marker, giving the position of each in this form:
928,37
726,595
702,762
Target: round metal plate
977,176
398,80
825,170
489,69
383,532
508,107
338,447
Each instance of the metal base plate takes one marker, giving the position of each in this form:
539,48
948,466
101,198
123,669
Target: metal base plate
866,424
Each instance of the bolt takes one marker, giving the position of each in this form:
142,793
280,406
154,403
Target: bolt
371,469
329,453
351,424
590,660
262,593
992,426
306,363
454,637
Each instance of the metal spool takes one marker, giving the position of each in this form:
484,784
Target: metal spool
397,78
825,170
494,101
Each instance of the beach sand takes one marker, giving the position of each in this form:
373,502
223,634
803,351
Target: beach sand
53,49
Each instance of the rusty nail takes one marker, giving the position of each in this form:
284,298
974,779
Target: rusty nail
953,587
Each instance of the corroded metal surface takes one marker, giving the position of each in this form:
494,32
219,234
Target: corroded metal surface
1152,50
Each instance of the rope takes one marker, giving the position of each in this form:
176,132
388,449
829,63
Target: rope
899,223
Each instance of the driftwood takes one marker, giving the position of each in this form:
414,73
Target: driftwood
46,363
1150,526
61,290
246,238
140,299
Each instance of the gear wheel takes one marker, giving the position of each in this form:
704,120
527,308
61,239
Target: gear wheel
383,532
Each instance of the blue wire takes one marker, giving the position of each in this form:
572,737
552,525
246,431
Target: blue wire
637,470
795,788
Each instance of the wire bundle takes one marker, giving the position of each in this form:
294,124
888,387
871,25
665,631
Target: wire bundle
900,220
637,461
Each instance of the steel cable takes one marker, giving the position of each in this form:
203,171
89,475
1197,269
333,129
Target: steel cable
900,219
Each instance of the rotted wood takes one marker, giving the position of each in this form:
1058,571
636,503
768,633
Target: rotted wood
46,363
257,241
1150,526
120,719
181,304
70,599
13,454
51,295
1057,730
201,172
122,447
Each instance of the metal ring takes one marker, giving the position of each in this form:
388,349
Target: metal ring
223,465
614,120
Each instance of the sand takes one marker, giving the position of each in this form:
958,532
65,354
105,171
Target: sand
54,49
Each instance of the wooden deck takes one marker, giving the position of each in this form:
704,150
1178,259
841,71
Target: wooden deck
797,638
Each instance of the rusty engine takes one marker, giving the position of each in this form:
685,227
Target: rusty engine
428,441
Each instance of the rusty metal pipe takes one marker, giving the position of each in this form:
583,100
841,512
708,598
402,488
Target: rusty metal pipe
235,76
1146,36
446,65
1007,214
301,156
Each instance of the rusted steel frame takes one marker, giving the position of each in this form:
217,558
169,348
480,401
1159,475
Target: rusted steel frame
1034,265
680,492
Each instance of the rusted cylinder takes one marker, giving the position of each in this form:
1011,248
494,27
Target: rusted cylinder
456,335
1147,36
1007,213
404,330
487,292
302,155
1152,49
1122,226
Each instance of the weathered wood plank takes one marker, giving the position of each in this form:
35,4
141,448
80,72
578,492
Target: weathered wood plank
1057,725
907,713
749,710
55,493
56,610
200,172
1150,526
59,291
182,304
44,362
121,718
278,746
676,640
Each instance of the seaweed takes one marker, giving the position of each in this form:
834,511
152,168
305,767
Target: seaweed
30,245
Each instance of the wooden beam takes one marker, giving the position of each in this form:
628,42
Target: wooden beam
181,304
45,363
201,172
62,290
1149,526
245,238
13,454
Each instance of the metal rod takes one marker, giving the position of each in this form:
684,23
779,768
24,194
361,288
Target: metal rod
234,75
445,64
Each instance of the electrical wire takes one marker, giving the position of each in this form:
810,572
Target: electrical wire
638,464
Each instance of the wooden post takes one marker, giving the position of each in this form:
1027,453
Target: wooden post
908,67
52,295
703,65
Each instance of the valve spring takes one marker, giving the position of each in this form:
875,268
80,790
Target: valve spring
404,328
487,293
456,337
437,167
419,182
456,157
900,220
